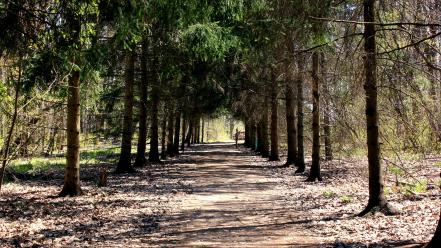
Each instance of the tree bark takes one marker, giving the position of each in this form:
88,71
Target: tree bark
71,185
300,146
184,129
124,164
202,130
164,135
170,130
231,128
247,132
52,134
376,193
315,166
72,172
259,137
154,137
253,136
193,131
189,133
274,155
177,132
264,129
290,123
251,143
198,130
207,131
142,132
51,142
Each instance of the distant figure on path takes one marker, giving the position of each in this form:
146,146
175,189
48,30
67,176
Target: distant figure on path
236,137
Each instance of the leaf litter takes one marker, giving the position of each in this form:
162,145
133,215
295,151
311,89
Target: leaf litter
131,210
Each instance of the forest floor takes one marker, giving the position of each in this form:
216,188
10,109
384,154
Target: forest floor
215,195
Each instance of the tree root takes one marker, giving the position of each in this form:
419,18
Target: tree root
70,191
314,178
124,170
384,208
155,161
272,158
140,163
285,165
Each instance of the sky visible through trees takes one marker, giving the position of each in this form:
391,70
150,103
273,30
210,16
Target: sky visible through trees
321,94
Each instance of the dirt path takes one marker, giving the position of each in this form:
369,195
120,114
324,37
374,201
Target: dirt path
233,204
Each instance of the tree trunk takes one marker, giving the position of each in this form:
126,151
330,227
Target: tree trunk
189,133
61,136
274,155
124,164
250,134
154,136
193,131
198,130
51,142
52,135
202,130
72,172
177,132
300,147
247,132
376,194
170,130
231,128
164,135
142,133
184,127
315,166
253,136
259,137
207,132
290,123
264,129
43,133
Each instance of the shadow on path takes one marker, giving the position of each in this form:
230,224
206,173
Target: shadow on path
234,203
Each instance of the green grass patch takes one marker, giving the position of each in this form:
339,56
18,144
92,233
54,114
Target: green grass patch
37,165
99,153
421,186
387,191
396,170
352,152
346,199
415,188
43,164
329,194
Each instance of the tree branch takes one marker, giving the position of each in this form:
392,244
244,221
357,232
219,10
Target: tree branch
418,24
411,44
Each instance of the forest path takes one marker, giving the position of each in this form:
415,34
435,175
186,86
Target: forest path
233,204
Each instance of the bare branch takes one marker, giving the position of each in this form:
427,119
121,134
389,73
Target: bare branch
417,24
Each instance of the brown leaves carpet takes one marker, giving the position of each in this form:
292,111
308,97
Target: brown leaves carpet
213,196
